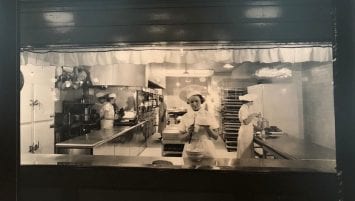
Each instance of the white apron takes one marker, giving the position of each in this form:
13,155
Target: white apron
205,144
200,139
245,148
106,123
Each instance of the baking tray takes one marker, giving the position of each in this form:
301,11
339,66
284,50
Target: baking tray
271,134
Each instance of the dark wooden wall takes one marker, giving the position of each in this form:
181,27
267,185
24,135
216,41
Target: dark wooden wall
133,184
9,101
105,22
344,97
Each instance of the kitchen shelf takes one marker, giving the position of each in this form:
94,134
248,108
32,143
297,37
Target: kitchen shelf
230,116
172,149
231,148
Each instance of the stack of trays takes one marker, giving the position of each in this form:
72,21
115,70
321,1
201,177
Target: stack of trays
230,120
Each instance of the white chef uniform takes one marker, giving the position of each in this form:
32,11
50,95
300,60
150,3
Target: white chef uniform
245,147
107,123
200,139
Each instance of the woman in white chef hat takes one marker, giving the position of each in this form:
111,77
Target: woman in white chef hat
101,99
247,119
198,127
108,112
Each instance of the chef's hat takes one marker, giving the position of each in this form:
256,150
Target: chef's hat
100,94
248,97
192,93
112,95
195,93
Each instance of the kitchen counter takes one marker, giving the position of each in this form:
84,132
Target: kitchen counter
259,165
292,148
96,137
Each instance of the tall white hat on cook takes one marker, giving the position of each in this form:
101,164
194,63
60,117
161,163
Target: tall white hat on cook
191,93
100,94
248,97
112,95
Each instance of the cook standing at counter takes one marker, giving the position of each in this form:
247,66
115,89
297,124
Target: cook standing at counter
198,127
247,119
101,99
108,113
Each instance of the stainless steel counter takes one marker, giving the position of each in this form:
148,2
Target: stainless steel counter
96,137
292,148
260,165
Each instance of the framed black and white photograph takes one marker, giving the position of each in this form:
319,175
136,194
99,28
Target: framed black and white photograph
171,100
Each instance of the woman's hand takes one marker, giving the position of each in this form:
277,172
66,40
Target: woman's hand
186,135
250,118
255,115
191,129
211,132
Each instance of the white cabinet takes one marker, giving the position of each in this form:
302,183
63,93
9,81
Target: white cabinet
118,75
37,132
25,101
37,108
45,108
128,75
282,105
101,75
45,136
26,137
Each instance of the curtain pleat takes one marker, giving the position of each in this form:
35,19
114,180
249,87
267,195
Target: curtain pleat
262,55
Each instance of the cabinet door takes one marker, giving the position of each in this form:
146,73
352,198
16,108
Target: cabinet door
26,95
26,137
38,85
45,136
39,132
105,149
45,108
43,75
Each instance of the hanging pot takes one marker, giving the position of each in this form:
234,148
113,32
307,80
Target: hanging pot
22,81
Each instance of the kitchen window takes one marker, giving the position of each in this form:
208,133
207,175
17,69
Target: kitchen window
292,86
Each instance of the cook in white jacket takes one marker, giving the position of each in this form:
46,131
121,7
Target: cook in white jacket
247,119
198,127
108,112
101,100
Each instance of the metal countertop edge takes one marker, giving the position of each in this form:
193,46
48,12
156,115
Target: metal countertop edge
85,146
286,155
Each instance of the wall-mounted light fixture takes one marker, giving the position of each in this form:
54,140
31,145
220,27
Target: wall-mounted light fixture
228,66
59,18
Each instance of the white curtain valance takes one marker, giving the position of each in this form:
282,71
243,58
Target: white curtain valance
262,54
